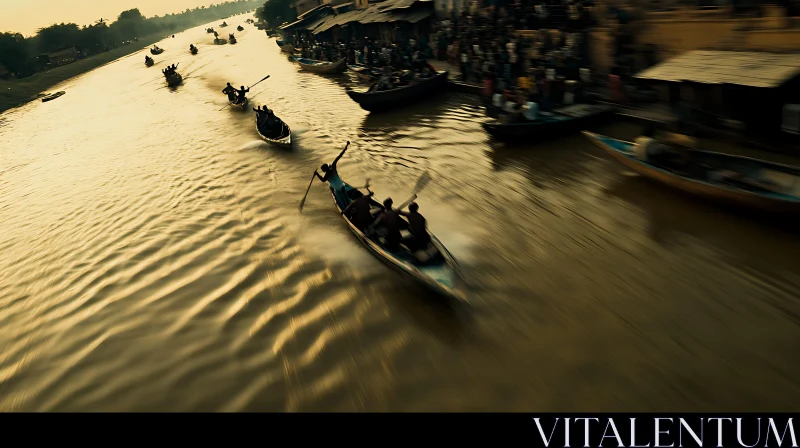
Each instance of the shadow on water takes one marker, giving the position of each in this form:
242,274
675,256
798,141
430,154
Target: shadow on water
407,117
564,158
442,317
762,242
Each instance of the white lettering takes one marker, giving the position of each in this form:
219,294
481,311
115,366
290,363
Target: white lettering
615,436
546,441
566,433
586,430
789,426
633,435
697,440
719,429
659,432
739,433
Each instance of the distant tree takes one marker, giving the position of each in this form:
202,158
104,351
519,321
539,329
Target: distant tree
130,23
58,37
13,51
276,12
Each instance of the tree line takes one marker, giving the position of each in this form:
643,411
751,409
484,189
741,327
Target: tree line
276,12
21,55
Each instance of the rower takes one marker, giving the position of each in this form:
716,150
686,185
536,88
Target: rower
417,227
241,95
230,91
390,220
360,209
329,170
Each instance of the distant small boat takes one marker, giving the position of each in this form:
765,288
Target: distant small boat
322,67
223,25
219,41
765,186
156,50
149,62
209,30
239,28
174,79
193,49
232,40
52,96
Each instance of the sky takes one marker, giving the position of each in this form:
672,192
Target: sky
26,16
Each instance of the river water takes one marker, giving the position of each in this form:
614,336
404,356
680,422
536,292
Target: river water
153,258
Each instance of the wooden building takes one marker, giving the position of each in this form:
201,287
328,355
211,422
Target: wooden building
752,88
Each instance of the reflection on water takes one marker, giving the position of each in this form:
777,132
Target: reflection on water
153,258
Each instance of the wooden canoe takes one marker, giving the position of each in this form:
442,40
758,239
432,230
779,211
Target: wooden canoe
770,187
383,100
562,121
220,41
283,139
52,96
321,67
440,273
156,50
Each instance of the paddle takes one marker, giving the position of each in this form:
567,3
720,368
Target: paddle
303,202
422,182
231,103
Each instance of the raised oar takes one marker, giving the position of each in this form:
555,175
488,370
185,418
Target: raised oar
422,182
303,202
231,102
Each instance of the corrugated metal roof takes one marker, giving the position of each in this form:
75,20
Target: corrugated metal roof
752,69
385,12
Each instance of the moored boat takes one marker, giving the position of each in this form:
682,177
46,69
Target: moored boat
548,125
390,99
724,178
174,79
288,48
440,272
322,67
281,136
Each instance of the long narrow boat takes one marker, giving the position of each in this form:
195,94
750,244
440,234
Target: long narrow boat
440,273
756,184
562,121
219,41
391,99
321,67
174,80
282,139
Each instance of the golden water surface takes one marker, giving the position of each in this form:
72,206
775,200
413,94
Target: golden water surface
152,258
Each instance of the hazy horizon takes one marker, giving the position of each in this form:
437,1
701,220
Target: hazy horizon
27,16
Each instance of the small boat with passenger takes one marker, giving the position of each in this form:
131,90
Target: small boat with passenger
724,178
432,266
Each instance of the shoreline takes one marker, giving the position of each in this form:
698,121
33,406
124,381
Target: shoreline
18,92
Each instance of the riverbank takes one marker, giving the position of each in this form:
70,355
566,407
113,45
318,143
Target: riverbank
17,92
